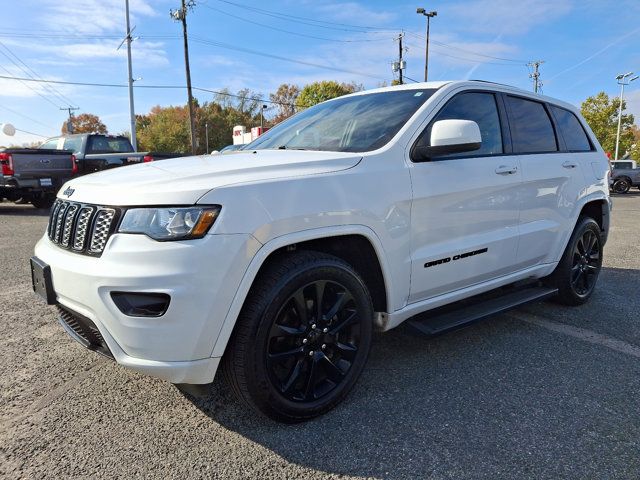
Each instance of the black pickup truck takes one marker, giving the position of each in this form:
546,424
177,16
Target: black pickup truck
34,175
95,152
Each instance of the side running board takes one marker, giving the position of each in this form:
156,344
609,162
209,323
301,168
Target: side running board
451,317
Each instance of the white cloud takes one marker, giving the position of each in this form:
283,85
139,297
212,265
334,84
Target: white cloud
508,16
92,16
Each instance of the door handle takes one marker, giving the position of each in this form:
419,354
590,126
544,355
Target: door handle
506,170
569,164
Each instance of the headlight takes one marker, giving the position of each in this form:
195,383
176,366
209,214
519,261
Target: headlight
170,223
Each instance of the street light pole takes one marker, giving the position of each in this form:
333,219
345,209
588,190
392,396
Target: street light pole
262,108
621,81
206,134
429,15
132,114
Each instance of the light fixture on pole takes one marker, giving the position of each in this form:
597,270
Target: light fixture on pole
622,81
262,109
429,15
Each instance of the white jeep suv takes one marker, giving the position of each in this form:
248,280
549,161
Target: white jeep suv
359,213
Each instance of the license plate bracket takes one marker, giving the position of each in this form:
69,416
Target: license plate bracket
41,280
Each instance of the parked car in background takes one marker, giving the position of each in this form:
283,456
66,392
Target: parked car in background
275,264
231,148
95,152
35,175
624,175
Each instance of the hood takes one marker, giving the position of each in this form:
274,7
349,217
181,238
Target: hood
182,181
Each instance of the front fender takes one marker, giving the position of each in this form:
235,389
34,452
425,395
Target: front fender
289,239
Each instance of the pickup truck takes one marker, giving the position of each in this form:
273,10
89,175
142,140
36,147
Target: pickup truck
95,152
624,175
34,175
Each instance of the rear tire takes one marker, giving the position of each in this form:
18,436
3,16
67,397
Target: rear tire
621,185
43,202
302,338
577,272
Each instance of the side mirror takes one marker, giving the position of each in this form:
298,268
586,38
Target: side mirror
449,136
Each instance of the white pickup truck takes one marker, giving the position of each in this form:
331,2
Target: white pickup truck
277,263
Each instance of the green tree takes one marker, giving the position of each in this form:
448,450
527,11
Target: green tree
285,100
164,129
601,113
317,92
85,123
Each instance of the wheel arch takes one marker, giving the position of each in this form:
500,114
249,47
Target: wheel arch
337,241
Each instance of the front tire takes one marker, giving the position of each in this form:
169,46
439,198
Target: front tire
302,338
578,270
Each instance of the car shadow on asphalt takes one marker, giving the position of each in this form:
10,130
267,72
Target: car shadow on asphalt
26,210
499,398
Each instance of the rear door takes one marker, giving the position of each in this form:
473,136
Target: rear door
552,180
464,215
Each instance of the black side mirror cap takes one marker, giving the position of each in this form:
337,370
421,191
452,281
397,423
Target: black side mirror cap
424,153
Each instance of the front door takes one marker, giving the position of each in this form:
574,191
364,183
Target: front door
465,210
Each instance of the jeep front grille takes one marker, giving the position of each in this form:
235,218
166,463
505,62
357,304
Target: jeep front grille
81,228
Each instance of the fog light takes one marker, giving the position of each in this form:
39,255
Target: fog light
141,304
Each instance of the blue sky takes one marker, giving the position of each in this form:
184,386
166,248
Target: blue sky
584,45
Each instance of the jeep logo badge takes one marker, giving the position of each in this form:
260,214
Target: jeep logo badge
68,192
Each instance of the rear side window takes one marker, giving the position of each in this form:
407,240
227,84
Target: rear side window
532,131
571,130
73,143
482,109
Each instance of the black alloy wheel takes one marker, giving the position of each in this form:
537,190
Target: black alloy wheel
586,263
621,185
577,271
313,341
302,338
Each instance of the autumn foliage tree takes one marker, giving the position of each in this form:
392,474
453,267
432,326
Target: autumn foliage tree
284,100
85,123
601,113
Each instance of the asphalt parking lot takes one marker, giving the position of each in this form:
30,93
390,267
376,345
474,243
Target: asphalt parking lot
541,392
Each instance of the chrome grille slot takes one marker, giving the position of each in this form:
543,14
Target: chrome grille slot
80,227
101,230
68,224
59,220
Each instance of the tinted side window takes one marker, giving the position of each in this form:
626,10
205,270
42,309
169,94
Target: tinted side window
532,130
571,130
482,109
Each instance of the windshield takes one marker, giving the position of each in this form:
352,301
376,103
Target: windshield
358,123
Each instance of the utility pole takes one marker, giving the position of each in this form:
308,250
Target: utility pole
132,113
206,135
400,62
622,82
537,84
429,15
69,122
181,15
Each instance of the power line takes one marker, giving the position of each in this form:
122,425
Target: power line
316,23
31,73
24,116
292,32
472,60
447,45
23,80
277,57
118,85
31,133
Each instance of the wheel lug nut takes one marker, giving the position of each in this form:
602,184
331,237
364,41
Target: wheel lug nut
305,340
311,353
325,330
313,326
323,346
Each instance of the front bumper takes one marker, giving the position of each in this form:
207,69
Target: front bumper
201,277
